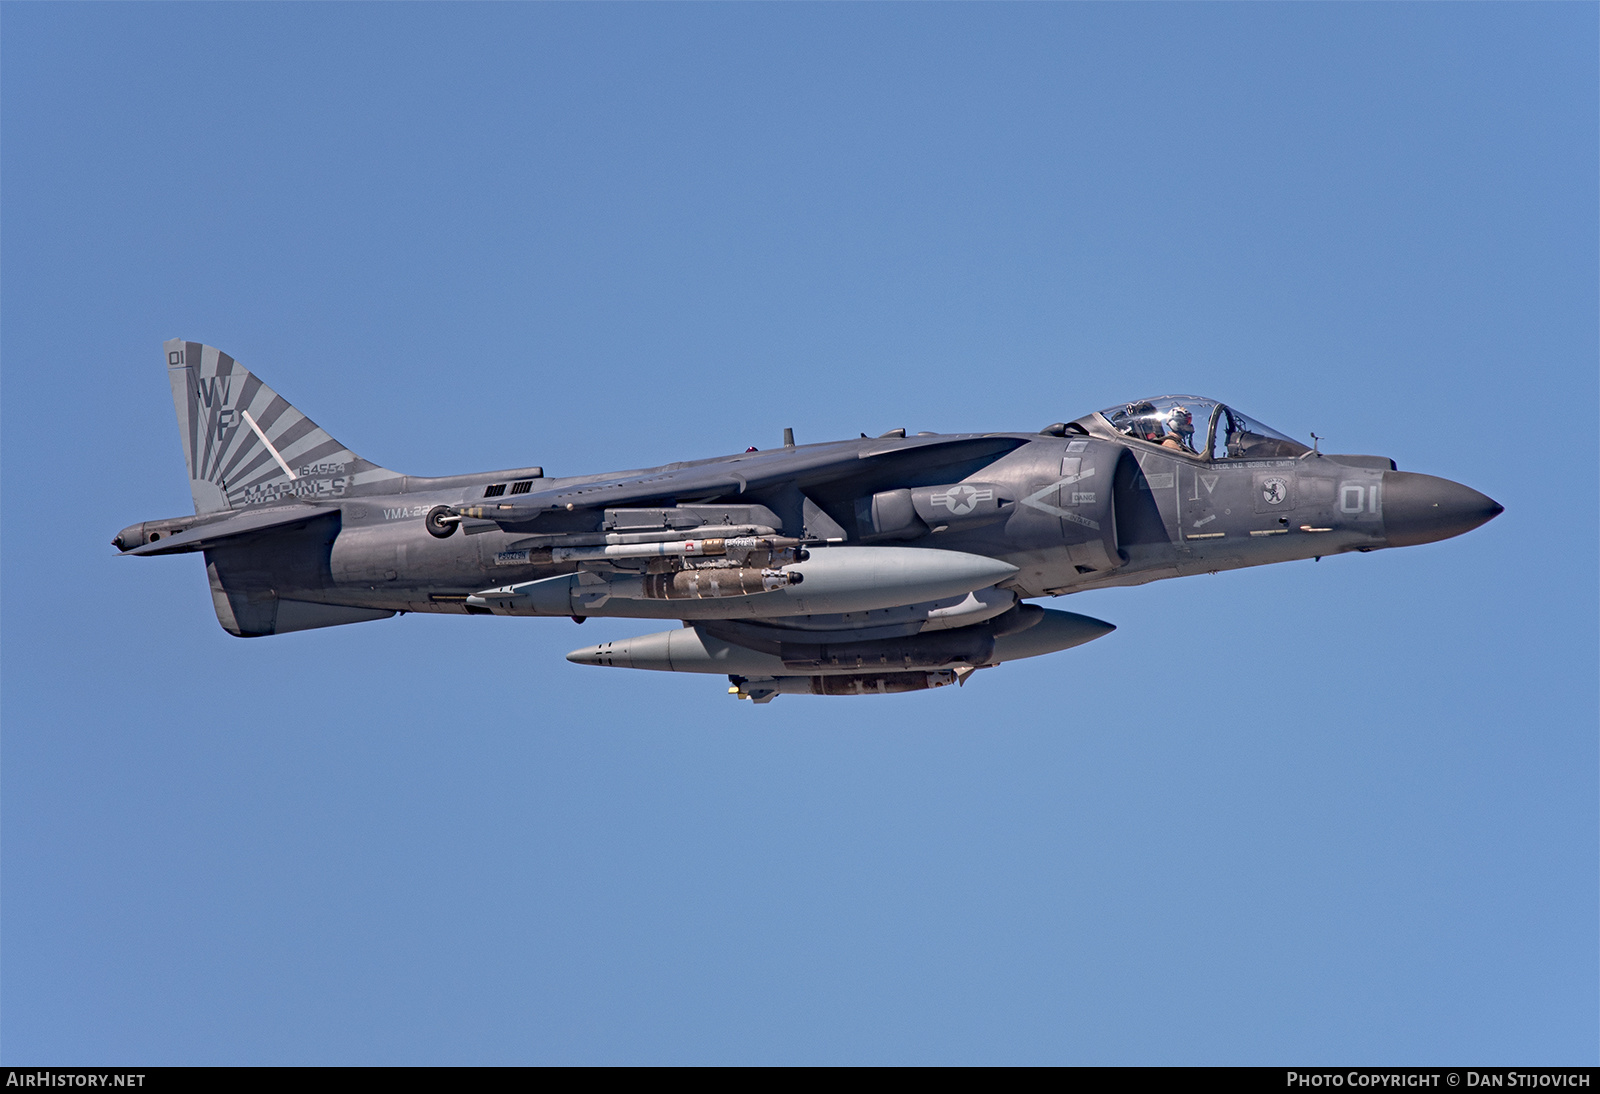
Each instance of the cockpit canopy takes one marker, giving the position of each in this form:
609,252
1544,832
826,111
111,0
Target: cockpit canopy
1200,427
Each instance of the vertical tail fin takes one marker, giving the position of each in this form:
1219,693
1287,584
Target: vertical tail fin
245,445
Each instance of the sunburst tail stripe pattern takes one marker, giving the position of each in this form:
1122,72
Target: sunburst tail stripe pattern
217,473
229,467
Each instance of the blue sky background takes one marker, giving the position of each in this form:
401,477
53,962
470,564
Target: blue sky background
1316,813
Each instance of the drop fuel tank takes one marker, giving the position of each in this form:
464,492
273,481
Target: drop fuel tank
832,579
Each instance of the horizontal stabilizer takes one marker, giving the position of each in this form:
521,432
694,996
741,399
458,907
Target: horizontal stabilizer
214,532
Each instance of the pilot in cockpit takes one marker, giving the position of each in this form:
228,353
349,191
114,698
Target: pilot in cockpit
1179,430
1141,420
1168,421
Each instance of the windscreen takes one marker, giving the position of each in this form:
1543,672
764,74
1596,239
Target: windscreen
1200,427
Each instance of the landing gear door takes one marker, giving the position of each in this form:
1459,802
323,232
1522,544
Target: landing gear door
1083,502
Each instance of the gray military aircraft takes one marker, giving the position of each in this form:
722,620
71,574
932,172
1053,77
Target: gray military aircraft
853,567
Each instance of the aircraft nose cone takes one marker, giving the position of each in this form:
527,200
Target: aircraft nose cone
1425,508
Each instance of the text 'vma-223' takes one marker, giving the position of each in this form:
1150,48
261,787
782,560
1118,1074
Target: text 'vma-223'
851,567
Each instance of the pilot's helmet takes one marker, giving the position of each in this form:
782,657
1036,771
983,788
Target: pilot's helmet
1180,421
1136,418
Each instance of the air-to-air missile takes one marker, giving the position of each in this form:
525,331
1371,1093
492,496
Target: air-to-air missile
851,567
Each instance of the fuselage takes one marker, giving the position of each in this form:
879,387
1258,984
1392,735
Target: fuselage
1083,507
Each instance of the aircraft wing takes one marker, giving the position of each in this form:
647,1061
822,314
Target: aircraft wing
731,475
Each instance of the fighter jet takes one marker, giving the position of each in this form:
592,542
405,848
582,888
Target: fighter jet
865,566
